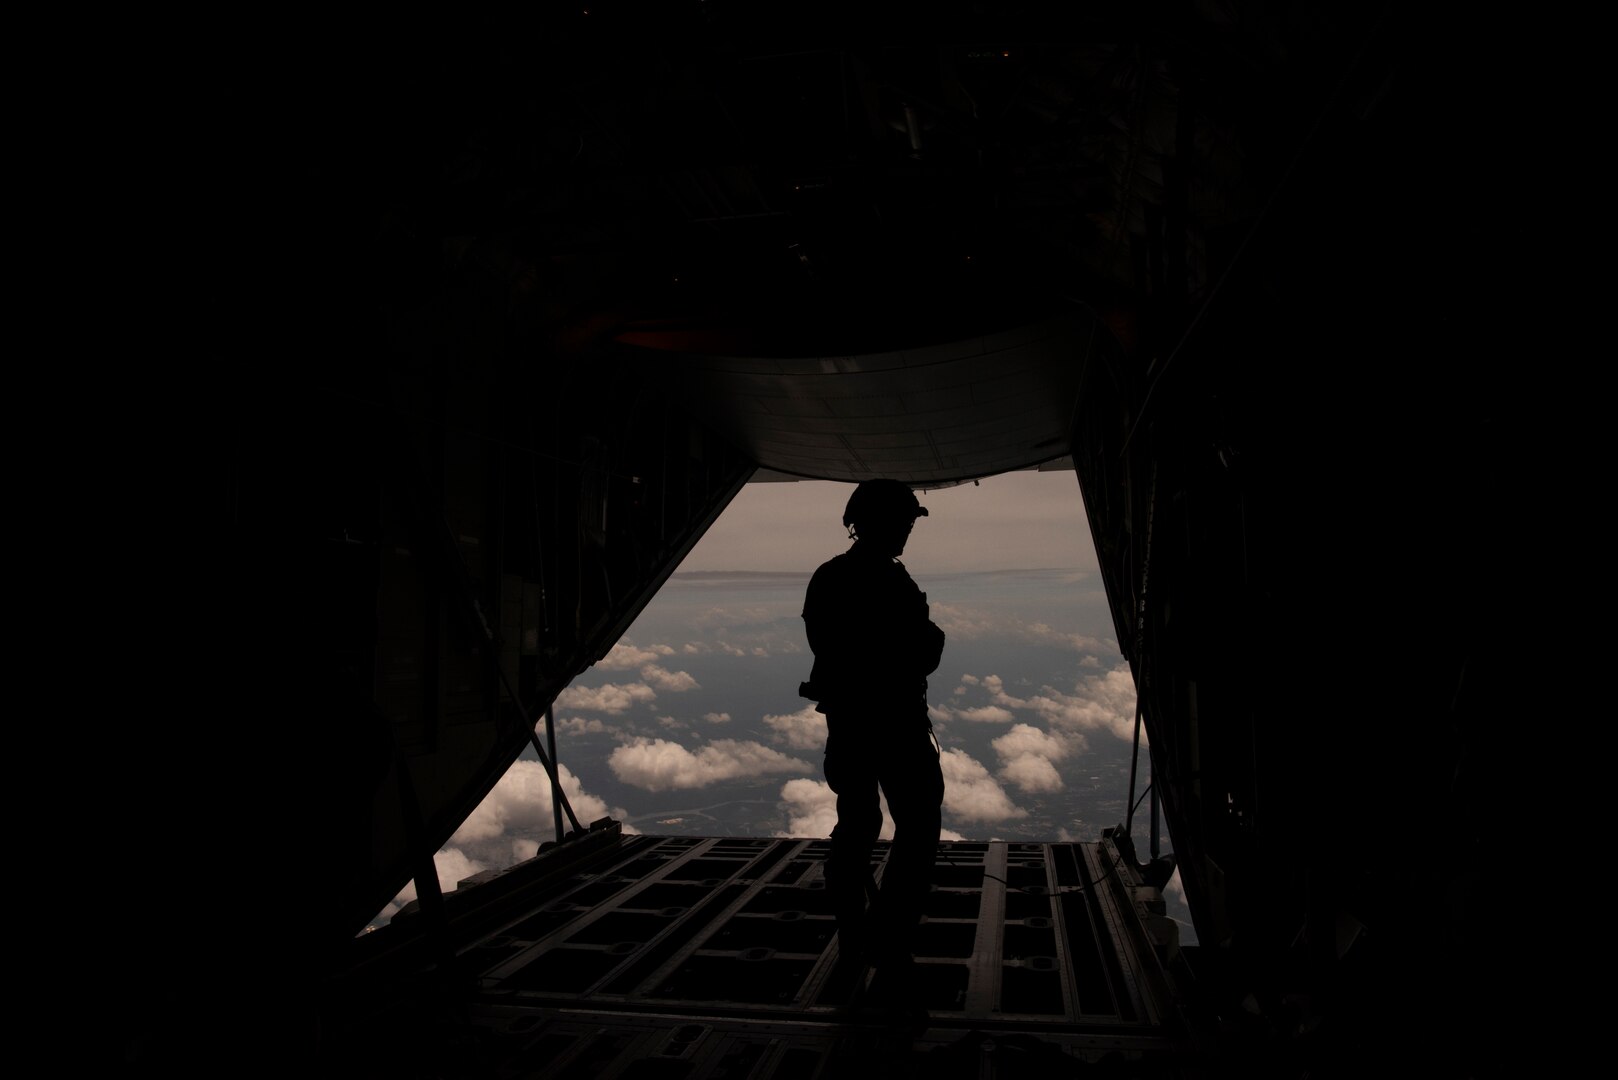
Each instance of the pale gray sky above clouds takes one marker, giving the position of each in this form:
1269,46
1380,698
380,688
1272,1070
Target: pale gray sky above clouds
1015,521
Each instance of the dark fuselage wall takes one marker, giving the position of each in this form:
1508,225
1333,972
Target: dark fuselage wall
508,530
432,521
1321,515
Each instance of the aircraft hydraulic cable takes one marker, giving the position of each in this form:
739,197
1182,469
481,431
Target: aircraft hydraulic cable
1140,650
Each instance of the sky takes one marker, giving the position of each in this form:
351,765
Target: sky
692,724
1015,521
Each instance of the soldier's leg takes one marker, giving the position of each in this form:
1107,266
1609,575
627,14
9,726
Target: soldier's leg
859,819
914,785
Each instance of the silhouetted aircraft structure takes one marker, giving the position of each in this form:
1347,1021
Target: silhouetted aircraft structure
1271,279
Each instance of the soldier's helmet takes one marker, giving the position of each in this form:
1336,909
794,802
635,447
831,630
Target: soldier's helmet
882,500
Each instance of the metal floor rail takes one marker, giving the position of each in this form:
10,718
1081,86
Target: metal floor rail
717,957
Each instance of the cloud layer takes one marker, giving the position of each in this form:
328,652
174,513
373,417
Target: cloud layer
519,808
971,794
811,810
802,730
660,765
626,656
970,624
1028,756
508,826
1103,702
618,698
612,698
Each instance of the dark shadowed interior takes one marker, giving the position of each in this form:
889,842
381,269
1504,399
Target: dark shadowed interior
531,305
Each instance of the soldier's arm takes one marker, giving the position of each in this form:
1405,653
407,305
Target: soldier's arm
929,638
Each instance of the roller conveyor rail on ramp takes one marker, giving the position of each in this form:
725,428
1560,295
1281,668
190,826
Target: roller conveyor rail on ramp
638,956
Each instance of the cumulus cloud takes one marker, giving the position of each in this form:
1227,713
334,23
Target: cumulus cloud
1027,755
608,698
965,624
1175,888
774,629
1041,633
519,809
811,810
733,616
960,624
672,681
1104,702
627,657
731,648
802,730
660,765
1032,774
453,866
717,717
971,794
578,725
985,714
1027,739
507,827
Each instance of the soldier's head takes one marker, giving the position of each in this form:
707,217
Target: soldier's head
881,514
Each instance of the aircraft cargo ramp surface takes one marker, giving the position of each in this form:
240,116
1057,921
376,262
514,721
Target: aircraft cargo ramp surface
642,956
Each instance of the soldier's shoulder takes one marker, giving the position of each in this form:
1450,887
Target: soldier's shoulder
835,568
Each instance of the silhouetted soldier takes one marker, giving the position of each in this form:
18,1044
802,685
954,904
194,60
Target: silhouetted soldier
874,646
